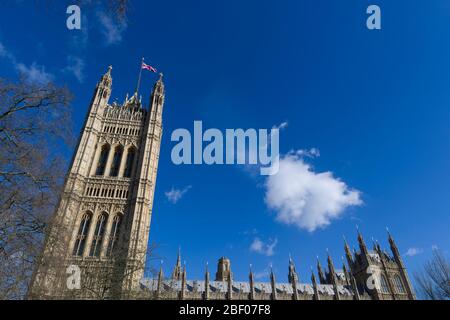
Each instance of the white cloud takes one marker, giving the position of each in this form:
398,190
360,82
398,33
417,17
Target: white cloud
3,52
266,249
411,252
307,199
311,153
112,30
174,195
33,73
75,65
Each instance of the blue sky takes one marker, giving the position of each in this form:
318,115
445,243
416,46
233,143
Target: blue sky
374,103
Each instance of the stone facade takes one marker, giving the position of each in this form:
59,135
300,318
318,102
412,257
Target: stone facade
102,222
370,275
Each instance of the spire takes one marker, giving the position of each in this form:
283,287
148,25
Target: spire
391,240
159,85
176,274
292,274
399,261
394,249
355,288
206,297
320,272
293,278
107,78
160,279
333,277
348,254
230,286
330,264
160,274
273,284
108,73
346,273
252,284
314,283
362,244
183,282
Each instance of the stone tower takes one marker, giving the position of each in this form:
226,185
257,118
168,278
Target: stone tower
379,274
224,270
101,226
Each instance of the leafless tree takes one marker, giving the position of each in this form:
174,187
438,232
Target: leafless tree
434,279
35,121
103,279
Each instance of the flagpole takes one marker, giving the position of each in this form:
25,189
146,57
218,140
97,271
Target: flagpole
139,78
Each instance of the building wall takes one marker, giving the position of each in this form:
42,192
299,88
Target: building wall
115,191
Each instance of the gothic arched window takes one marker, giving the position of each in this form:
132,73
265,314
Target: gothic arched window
116,161
82,234
399,284
129,163
114,235
384,284
102,161
98,235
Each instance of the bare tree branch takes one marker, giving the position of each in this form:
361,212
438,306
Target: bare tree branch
434,279
34,121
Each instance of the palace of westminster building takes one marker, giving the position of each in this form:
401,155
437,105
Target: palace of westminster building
101,226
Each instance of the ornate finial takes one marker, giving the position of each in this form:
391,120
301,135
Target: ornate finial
161,75
110,68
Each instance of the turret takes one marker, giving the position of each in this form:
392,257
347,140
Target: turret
322,278
346,273
102,92
183,283
206,297
314,283
223,269
404,275
230,287
252,284
292,273
293,278
273,284
355,288
394,250
362,244
333,278
348,255
157,97
160,280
